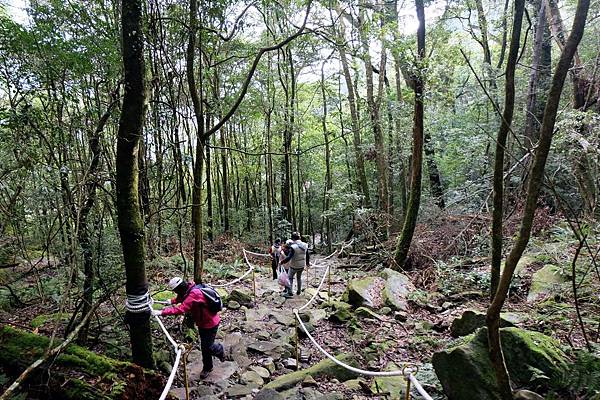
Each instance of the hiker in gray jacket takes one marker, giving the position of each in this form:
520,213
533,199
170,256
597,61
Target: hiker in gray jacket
298,259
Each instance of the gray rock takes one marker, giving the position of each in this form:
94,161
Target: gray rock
290,363
364,312
385,310
268,394
237,391
470,321
309,381
241,298
233,305
268,364
270,349
261,371
354,384
397,287
252,377
286,318
358,292
310,393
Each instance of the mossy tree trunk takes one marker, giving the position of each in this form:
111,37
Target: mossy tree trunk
414,200
131,226
533,190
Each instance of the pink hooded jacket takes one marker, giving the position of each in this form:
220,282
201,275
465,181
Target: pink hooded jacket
196,304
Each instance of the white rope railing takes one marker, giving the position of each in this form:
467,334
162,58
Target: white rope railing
408,374
252,267
257,254
138,303
341,363
178,349
314,296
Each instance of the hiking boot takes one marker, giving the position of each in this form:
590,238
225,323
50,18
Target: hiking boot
287,295
221,356
298,293
204,374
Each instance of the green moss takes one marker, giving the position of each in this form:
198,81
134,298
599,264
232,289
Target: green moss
45,318
324,368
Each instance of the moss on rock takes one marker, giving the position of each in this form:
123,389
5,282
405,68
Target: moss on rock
358,292
325,368
466,373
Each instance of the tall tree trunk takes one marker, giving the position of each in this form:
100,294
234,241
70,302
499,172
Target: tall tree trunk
84,229
225,183
401,172
414,200
540,76
197,222
328,184
374,107
131,226
354,120
209,205
533,189
507,116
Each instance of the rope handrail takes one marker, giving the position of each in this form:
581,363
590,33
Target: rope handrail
417,385
341,363
257,254
178,349
314,296
241,277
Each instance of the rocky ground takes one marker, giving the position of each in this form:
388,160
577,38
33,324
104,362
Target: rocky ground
376,320
371,317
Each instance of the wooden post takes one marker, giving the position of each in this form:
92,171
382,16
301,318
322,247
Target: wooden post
329,285
254,284
296,316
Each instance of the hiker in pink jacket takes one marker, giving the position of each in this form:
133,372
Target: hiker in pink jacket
191,299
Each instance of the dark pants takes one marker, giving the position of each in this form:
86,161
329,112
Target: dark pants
274,266
209,347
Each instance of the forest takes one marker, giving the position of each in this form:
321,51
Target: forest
300,199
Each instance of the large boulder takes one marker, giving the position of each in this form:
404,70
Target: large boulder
240,297
466,373
324,368
397,286
546,281
360,291
472,320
